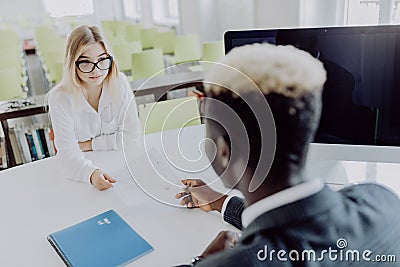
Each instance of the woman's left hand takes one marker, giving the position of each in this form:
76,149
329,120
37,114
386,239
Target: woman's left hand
85,146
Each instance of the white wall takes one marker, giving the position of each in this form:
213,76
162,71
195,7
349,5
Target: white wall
25,15
315,13
21,8
211,18
276,13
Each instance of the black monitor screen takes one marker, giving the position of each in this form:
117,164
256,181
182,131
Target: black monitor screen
361,97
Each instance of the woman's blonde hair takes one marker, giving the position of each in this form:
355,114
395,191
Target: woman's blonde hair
78,42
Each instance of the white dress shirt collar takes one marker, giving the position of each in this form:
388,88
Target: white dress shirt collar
281,198
105,100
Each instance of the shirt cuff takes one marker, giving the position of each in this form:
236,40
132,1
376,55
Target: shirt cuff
88,173
97,144
225,204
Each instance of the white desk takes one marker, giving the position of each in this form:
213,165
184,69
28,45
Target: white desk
35,201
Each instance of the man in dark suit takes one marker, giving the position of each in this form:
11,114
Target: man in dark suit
288,219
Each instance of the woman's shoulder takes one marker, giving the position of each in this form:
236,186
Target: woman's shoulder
122,78
58,95
125,85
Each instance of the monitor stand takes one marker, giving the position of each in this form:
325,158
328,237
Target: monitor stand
329,171
333,172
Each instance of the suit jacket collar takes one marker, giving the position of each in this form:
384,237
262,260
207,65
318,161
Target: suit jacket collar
294,213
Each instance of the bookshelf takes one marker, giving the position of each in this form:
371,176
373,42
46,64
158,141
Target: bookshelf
36,105
9,110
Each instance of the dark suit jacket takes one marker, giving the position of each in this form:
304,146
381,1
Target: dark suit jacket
366,217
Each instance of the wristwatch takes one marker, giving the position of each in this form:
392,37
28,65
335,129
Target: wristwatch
196,259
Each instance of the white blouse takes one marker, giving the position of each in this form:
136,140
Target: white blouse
75,120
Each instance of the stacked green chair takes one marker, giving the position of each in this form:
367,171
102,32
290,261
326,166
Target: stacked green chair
11,55
132,32
123,53
147,63
50,48
164,40
10,86
169,114
147,36
187,48
211,51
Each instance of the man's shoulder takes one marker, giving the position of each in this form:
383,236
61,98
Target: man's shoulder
371,191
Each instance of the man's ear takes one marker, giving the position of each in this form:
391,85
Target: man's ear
223,151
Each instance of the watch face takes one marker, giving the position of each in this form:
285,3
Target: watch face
196,259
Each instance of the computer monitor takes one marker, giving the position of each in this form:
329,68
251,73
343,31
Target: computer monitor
360,119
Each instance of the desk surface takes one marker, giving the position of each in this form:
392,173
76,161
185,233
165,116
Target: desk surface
35,200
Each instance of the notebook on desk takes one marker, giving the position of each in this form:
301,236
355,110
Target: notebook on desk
103,240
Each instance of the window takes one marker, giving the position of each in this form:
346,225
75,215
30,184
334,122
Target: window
60,8
132,8
363,12
173,9
165,12
396,12
371,12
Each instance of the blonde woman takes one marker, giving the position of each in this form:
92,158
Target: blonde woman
88,107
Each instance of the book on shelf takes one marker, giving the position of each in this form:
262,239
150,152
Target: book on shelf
15,146
37,144
50,141
103,240
21,139
43,143
3,153
29,143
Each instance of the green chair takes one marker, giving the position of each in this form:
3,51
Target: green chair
187,48
213,51
10,86
11,60
51,59
55,72
132,32
147,63
108,27
165,40
123,54
9,38
120,28
147,36
169,114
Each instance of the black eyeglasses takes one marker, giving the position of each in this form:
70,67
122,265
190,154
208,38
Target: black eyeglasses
86,66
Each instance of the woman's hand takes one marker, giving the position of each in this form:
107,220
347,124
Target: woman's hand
101,180
198,194
85,146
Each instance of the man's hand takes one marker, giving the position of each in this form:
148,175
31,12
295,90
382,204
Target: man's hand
224,240
101,180
85,146
198,194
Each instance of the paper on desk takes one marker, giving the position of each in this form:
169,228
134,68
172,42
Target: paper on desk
162,166
148,175
125,187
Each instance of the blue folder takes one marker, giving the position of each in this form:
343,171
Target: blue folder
103,240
